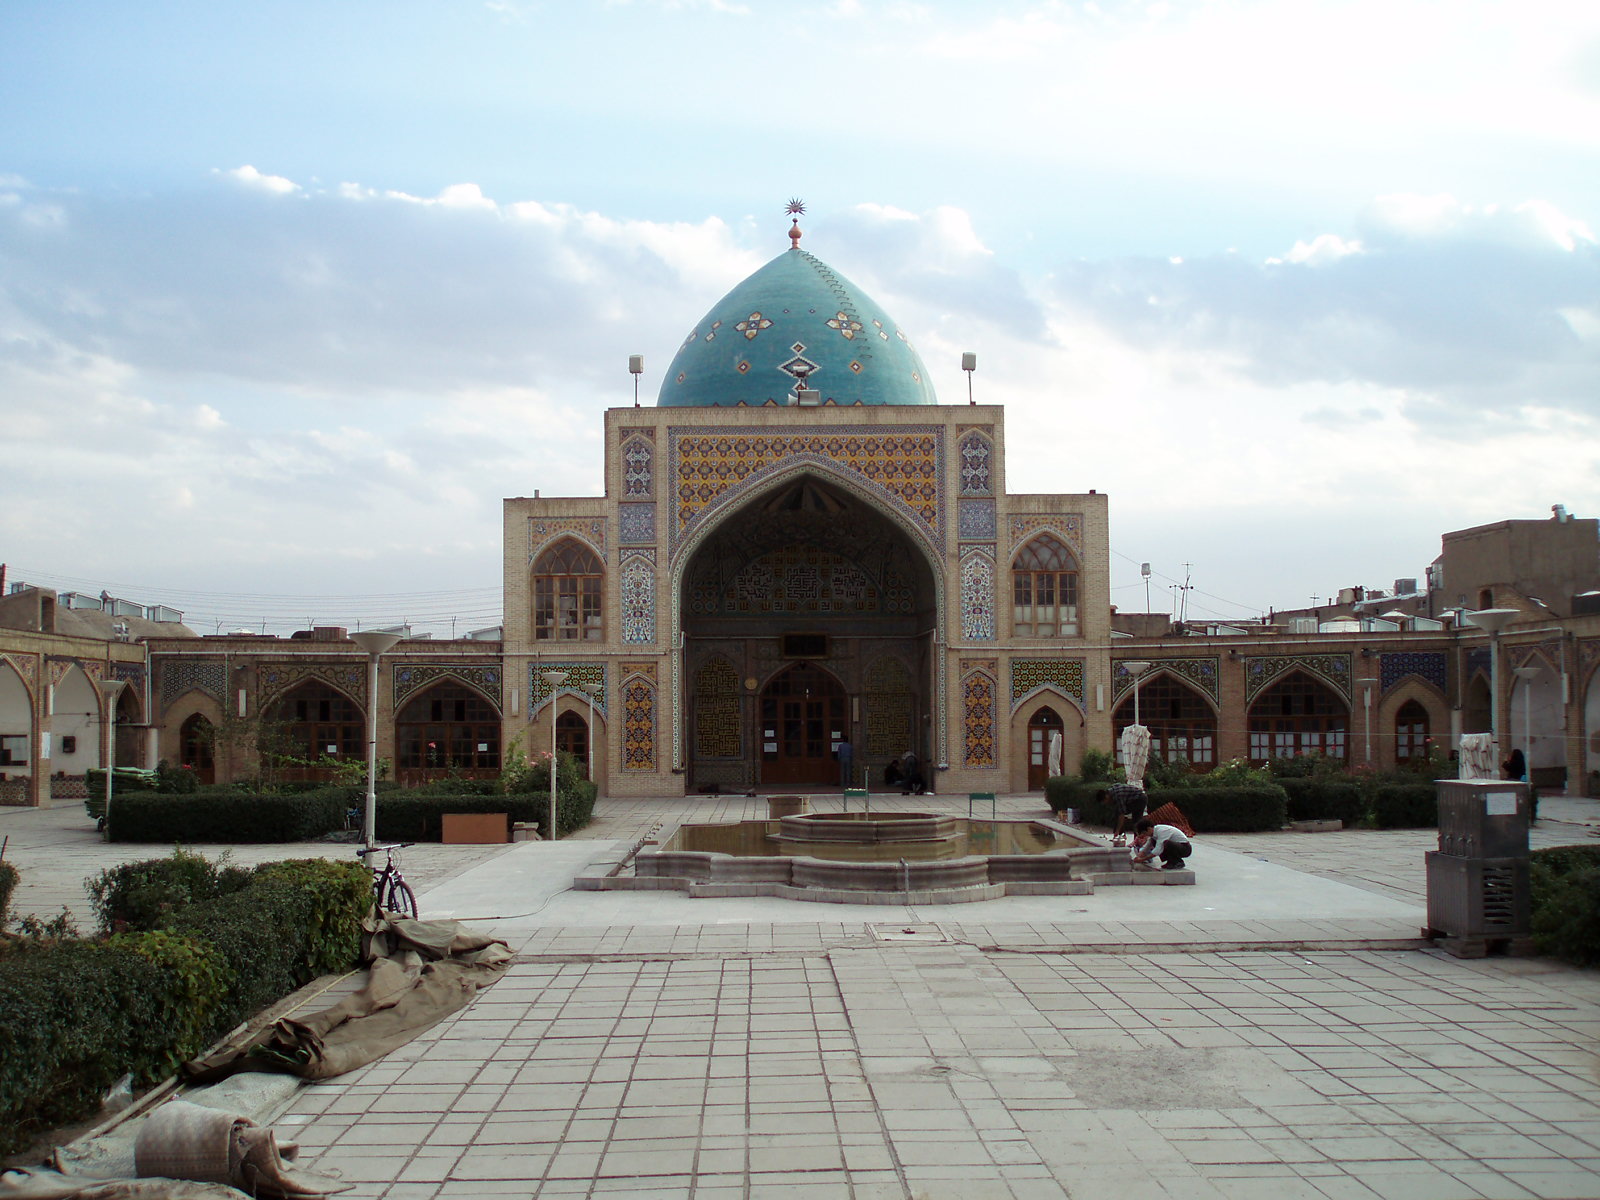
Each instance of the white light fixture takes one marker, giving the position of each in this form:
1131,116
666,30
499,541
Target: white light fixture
969,364
555,679
375,642
636,369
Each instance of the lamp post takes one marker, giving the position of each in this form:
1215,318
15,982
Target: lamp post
1492,621
593,688
1527,675
1136,669
374,642
1366,713
555,679
111,689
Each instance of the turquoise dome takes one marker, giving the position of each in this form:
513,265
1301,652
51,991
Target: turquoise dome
796,318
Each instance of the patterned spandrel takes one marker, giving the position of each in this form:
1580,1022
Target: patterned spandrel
543,531
1201,672
903,464
978,724
578,674
1028,675
638,725
716,710
1428,665
274,679
977,597
1331,669
412,678
638,587
1067,526
193,675
25,665
1588,656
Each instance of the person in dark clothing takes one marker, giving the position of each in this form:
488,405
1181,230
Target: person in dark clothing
911,781
1516,766
1131,803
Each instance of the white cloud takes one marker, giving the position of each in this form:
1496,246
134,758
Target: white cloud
249,177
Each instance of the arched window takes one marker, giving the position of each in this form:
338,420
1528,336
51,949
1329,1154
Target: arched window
1183,729
197,742
448,726
572,737
566,594
1044,590
1410,732
1297,715
314,720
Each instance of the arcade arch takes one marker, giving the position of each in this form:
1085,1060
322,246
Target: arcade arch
1298,715
1182,723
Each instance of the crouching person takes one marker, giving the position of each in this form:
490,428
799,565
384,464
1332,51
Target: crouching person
1166,842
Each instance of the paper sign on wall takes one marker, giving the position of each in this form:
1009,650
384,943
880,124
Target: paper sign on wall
1500,804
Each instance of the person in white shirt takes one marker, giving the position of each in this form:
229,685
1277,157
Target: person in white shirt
1166,842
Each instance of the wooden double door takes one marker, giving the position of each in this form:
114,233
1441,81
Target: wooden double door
804,714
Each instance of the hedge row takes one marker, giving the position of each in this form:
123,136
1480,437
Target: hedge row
1315,799
1244,808
1565,881
8,884
414,815
174,977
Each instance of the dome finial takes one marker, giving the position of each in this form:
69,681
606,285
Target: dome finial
794,208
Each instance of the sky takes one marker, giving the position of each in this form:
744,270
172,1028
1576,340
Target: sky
292,294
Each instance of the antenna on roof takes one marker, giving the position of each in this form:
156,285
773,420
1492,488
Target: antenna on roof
636,369
795,209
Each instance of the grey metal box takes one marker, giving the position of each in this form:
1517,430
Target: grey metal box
1478,897
1483,818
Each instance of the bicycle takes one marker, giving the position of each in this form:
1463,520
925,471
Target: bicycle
390,891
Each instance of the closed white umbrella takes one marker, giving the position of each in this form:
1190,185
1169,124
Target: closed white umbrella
1054,755
1135,753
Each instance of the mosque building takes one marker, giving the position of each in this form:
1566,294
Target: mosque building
804,569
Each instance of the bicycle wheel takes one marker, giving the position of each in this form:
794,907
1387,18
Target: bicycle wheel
402,900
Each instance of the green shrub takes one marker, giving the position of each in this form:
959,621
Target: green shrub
1097,766
340,893
78,1016
410,817
1241,808
198,981
1325,798
227,817
1405,806
1087,796
178,781
142,895
8,884
1565,882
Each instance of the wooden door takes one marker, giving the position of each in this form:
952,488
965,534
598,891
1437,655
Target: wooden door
803,715
1040,726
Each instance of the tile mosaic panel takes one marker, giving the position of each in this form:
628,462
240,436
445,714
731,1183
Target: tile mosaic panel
978,722
638,725
888,715
542,532
540,693
1331,669
180,675
1066,526
1478,663
904,464
798,579
638,588
975,520
273,679
1428,665
1028,675
977,453
408,679
638,478
1202,673
977,597
636,523
716,710
1541,654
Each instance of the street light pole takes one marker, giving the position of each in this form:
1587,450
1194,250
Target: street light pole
111,688
555,679
1492,621
1366,713
374,642
1527,675
593,688
1137,670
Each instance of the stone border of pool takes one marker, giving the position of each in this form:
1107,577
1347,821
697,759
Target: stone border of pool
1070,872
